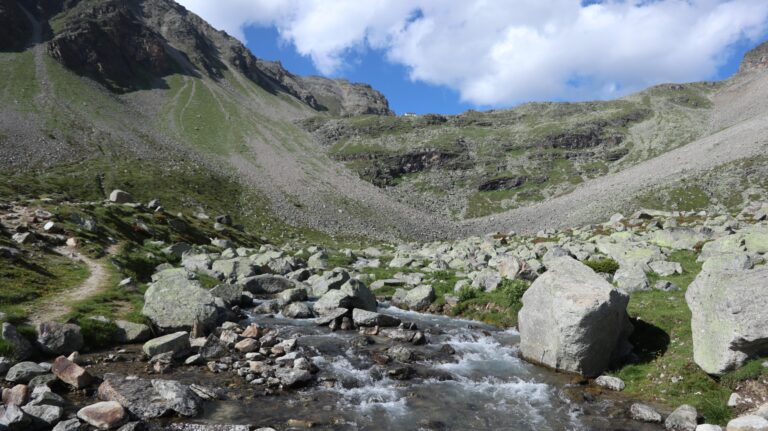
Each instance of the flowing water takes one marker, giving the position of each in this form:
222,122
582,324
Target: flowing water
478,383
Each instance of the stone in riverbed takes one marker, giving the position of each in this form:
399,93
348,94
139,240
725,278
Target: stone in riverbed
297,310
104,415
644,413
44,416
682,419
178,343
370,318
728,318
15,419
59,338
293,378
267,283
573,320
610,382
68,425
71,373
23,372
147,399
17,395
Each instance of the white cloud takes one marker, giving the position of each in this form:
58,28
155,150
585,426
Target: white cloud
500,52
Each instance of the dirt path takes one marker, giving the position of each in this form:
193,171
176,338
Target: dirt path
58,305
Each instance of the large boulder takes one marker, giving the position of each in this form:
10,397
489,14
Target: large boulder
573,320
59,338
23,372
176,302
728,318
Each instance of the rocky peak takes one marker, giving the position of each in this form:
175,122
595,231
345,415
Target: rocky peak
344,98
755,59
131,44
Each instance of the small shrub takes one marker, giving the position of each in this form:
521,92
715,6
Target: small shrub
513,291
6,349
606,266
97,333
466,293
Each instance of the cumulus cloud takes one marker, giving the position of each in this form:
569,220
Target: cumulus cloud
500,52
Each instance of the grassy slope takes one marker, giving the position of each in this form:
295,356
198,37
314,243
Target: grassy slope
507,142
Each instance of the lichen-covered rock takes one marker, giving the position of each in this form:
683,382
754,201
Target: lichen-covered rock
176,302
418,298
728,318
573,320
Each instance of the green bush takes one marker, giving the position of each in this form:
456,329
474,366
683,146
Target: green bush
97,333
513,291
6,349
467,292
606,266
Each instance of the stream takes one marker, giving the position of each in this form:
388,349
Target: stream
467,377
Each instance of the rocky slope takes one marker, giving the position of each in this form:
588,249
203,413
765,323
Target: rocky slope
179,96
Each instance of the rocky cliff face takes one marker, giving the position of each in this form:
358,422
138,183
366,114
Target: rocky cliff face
344,98
131,44
755,59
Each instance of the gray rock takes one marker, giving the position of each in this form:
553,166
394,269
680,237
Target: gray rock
748,423
682,419
196,262
631,279
293,378
23,372
176,343
573,320
231,294
370,318
298,310
234,269
292,295
130,332
361,296
728,262
644,413
175,302
59,338
213,348
387,282
178,397
666,286
331,315
267,283
331,301
418,298
43,415
68,425
120,197
487,280
329,281
610,382
400,262
22,348
14,419
728,317
147,399
318,260
666,269
708,427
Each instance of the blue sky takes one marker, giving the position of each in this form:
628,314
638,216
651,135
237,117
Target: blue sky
404,95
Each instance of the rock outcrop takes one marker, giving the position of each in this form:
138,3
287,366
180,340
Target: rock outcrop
573,320
728,318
